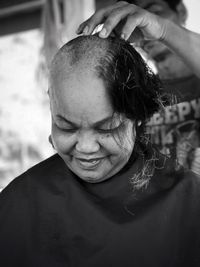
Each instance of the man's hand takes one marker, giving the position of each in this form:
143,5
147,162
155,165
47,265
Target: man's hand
128,21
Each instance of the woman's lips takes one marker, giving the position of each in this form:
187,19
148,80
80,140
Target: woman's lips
89,164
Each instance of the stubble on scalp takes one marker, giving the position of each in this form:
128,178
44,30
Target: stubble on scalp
82,54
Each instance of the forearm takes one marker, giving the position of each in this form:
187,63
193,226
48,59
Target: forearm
185,44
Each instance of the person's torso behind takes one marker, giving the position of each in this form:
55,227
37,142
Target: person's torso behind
176,131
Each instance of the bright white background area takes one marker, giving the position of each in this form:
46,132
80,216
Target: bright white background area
193,22
25,123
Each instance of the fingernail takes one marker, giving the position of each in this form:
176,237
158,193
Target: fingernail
122,36
85,30
78,30
103,33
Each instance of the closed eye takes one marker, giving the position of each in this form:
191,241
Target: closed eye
67,129
109,130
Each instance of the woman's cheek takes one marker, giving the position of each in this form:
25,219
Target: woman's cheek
62,141
110,142
122,139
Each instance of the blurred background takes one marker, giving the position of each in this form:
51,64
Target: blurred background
31,31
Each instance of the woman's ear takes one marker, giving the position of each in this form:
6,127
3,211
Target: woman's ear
182,13
51,141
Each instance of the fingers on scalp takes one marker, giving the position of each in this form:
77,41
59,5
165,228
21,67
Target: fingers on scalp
83,26
80,28
103,15
114,17
131,23
112,20
97,18
88,26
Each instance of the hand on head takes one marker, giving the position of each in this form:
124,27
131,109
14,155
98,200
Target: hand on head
128,21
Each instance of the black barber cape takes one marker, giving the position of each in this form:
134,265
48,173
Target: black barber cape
50,217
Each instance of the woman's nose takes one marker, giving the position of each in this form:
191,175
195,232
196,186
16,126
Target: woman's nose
87,143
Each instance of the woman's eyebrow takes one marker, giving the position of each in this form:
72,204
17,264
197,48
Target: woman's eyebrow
105,120
96,124
60,117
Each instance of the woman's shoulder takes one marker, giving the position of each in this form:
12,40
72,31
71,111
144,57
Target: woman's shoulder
36,177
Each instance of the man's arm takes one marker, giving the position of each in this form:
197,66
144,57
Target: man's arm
135,24
185,43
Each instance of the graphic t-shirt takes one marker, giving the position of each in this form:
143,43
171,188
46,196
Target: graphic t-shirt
50,217
176,130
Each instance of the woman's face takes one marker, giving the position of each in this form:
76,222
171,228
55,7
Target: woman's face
94,142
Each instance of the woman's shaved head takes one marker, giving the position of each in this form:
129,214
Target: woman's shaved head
82,53
132,88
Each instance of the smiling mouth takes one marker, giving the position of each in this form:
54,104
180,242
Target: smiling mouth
89,164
